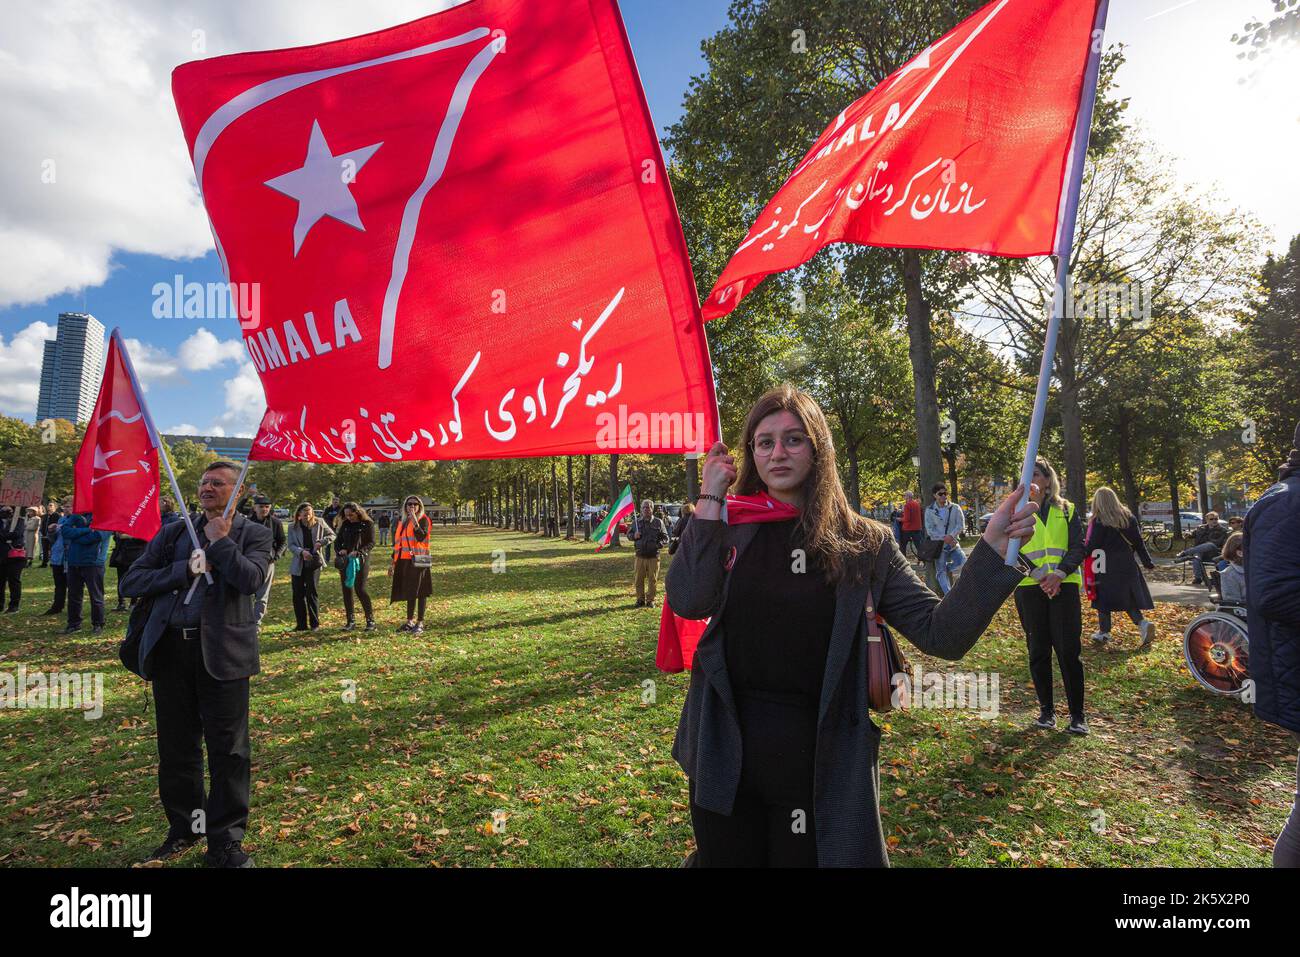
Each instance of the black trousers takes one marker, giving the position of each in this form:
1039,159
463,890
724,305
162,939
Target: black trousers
306,605
11,577
359,587
91,578
1103,619
194,708
60,588
1053,624
771,822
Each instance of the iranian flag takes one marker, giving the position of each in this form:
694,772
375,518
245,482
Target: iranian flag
620,510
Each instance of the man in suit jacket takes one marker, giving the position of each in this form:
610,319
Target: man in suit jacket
200,656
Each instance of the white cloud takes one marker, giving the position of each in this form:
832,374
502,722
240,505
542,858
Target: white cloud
153,366
183,429
203,350
85,86
245,404
20,372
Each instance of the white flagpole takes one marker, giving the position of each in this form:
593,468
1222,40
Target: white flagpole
156,439
1064,248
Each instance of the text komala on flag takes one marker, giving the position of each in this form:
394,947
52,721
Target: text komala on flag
964,147
463,235
116,472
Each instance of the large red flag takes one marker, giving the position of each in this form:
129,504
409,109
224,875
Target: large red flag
463,235
965,147
116,473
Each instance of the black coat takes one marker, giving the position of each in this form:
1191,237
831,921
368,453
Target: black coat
1272,562
708,745
228,634
1122,586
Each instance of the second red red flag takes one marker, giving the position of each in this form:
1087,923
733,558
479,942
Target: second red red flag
965,147
116,472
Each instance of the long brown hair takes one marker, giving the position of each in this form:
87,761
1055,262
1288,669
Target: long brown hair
830,530
362,514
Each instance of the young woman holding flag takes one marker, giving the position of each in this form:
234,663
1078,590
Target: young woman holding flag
778,695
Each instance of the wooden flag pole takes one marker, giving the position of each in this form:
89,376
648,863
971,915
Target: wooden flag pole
1064,248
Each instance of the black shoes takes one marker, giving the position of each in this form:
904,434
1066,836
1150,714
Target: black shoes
640,602
171,847
72,629
52,611
1045,720
1078,726
370,624
97,630
229,854
11,611
350,626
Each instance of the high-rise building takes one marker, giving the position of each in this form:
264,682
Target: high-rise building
71,369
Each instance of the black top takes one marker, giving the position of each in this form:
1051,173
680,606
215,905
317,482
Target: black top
355,536
777,621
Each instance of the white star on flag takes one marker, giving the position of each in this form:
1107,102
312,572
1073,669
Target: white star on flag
321,184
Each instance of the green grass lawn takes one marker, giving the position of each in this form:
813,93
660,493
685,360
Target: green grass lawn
533,694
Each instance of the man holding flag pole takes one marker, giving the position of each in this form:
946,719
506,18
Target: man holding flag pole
199,653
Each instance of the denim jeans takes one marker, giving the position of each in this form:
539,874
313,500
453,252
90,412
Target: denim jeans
1199,552
950,559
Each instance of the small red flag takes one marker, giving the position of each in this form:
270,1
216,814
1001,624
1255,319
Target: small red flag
116,473
965,147
455,239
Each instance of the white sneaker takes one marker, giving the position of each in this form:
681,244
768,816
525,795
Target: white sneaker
1148,630
1101,637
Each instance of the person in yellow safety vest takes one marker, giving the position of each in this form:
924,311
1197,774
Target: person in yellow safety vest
1048,600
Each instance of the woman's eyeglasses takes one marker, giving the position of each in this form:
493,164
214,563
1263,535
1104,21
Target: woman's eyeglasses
795,443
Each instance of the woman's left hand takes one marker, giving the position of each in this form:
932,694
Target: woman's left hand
1008,522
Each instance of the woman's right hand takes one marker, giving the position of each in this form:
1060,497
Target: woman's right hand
719,471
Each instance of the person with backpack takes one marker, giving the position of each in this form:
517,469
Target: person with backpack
125,551
198,644
1113,546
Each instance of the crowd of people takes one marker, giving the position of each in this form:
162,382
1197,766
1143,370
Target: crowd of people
778,697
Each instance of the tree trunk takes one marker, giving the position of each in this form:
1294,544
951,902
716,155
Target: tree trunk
692,478
1126,464
853,491
1076,477
950,456
1171,473
921,351
555,501
586,526
572,530
1202,482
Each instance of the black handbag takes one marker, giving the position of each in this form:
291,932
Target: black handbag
129,649
930,549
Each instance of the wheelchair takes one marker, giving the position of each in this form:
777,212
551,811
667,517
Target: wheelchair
1216,645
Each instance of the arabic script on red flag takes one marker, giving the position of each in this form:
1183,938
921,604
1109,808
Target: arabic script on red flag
965,147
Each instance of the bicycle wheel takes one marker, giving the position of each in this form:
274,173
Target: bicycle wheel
1217,651
1162,541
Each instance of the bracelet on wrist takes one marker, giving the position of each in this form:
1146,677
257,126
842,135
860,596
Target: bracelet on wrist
712,498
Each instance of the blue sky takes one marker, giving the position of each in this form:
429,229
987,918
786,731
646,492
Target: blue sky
1182,76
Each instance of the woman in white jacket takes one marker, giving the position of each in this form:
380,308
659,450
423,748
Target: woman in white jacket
944,522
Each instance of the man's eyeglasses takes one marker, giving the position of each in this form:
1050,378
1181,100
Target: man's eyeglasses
795,443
